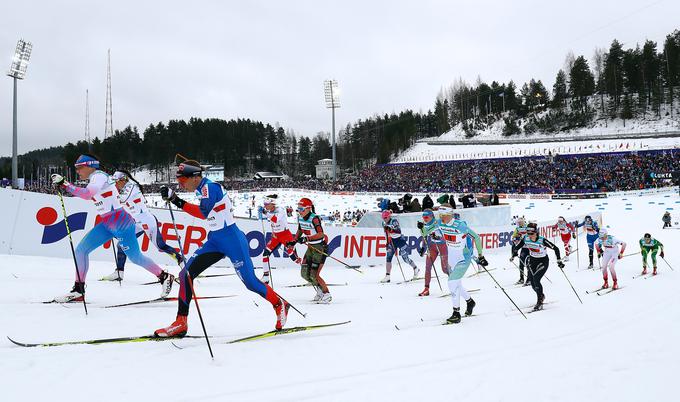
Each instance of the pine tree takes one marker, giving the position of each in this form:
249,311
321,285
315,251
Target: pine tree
613,72
581,83
560,90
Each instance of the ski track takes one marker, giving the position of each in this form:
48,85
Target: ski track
621,347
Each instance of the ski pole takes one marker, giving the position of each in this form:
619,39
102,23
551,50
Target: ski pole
190,281
669,265
354,267
115,259
578,260
271,276
572,286
398,262
427,250
70,240
628,255
506,293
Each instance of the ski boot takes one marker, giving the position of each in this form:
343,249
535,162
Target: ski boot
590,266
265,278
520,281
177,329
470,305
455,317
319,293
166,280
298,261
386,279
77,294
281,310
615,285
654,271
605,285
527,282
416,271
644,271
326,298
566,258
115,276
425,292
539,303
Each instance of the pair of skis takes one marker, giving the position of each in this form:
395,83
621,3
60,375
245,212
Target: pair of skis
151,338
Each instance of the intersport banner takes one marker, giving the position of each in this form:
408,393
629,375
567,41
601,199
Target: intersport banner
33,224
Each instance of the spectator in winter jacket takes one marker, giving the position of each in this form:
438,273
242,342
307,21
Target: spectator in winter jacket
427,202
666,220
414,206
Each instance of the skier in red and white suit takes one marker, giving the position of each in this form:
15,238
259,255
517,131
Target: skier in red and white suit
567,231
278,218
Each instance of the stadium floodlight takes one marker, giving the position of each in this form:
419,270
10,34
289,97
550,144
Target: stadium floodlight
17,71
332,102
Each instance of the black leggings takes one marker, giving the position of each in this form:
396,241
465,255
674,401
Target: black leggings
197,265
537,268
523,258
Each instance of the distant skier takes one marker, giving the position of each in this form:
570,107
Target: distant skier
567,232
650,246
310,232
592,229
115,222
666,218
280,234
132,199
395,241
460,242
517,235
433,248
608,249
225,239
537,262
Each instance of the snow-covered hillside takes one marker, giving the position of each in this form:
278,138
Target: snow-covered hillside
621,347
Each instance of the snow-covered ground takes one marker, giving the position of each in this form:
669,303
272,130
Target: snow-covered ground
621,347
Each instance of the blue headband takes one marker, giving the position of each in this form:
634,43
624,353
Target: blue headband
86,160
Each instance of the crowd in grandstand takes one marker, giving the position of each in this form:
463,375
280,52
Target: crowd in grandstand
571,173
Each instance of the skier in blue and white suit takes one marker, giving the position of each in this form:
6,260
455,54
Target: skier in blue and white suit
592,233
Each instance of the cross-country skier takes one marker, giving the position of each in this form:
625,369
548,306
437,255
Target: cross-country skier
278,219
132,199
115,222
395,241
224,239
592,229
310,232
460,242
517,235
567,231
650,246
608,248
537,262
434,248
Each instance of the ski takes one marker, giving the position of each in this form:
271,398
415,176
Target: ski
166,299
199,277
607,291
410,280
482,271
130,339
651,276
641,275
469,291
286,331
590,292
308,284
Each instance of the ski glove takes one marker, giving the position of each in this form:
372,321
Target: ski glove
421,251
57,179
260,213
420,225
620,255
302,239
661,254
560,264
168,195
481,260
434,236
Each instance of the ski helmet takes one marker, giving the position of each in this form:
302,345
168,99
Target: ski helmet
603,232
304,203
386,214
648,236
271,199
428,214
189,169
87,160
588,218
560,218
445,209
118,175
532,227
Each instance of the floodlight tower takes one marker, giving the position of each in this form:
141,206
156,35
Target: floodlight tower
332,102
18,71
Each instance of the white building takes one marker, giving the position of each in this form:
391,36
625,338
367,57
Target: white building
324,169
214,173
